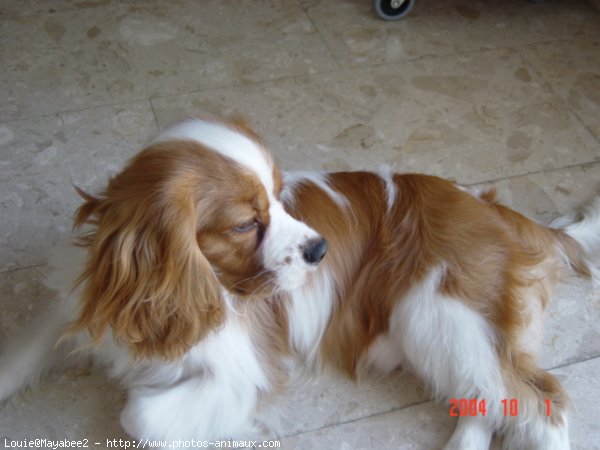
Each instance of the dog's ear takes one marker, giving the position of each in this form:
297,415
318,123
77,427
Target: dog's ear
146,279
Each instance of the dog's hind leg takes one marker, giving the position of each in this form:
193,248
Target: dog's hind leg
535,414
452,348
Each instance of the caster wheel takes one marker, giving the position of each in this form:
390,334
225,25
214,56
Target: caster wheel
392,9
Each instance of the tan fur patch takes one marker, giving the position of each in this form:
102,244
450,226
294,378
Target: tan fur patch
162,246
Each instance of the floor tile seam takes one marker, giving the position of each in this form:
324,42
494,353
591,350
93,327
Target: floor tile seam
393,410
357,419
582,165
423,402
22,268
572,111
563,40
344,68
74,111
574,363
20,16
403,60
7,121
582,122
249,84
153,108
341,67
332,56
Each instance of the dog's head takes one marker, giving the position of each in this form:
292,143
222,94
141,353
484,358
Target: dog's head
193,218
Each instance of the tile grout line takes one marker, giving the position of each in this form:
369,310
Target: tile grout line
154,114
572,111
401,408
346,422
578,117
18,269
74,111
158,97
580,165
321,37
456,53
574,363
253,83
340,68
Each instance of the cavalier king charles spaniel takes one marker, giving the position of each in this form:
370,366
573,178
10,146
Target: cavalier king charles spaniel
202,272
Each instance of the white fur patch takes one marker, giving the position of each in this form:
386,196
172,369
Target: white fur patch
447,344
283,248
309,314
227,142
319,179
586,231
215,396
476,192
471,433
387,175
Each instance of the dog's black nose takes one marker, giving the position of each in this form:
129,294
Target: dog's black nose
315,250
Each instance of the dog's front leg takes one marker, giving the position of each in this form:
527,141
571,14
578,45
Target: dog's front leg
194,411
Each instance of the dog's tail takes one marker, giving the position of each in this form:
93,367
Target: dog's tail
34,350
578,237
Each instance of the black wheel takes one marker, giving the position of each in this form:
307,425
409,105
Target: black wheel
392,9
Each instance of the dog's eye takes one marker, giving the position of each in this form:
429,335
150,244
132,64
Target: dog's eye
245,227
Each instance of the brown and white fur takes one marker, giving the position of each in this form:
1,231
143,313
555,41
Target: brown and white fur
448,283
178,275
196,286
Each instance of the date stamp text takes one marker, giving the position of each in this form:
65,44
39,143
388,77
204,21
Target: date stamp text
478,407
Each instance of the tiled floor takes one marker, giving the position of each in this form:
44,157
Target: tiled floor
500,91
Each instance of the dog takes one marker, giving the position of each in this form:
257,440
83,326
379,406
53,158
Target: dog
177,273
445,282
203,272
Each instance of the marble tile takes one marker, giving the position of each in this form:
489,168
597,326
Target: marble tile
72,404
547,195
423,427
573,70
473,118
437,27
571,333
41,160
22,298
31,7
77,58
583,385
499,91
428,426
332,398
